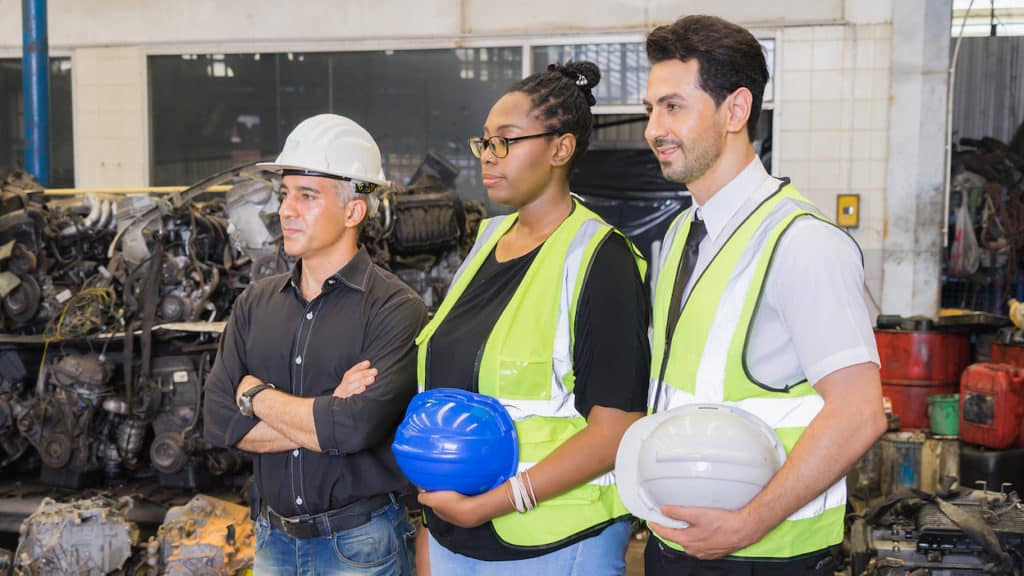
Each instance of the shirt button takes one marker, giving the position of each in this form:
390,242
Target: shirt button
298,359
331,281
295,452
309,315
298,501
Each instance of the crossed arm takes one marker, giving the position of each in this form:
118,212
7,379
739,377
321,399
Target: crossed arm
286,421
336,423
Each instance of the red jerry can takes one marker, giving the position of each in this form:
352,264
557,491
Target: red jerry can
916,365
991,405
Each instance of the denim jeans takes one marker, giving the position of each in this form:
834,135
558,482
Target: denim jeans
381,547
601,555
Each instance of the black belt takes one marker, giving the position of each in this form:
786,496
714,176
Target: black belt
326,523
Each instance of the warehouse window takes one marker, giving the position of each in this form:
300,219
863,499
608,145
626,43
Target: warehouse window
12,122
624,68
988,17
211,111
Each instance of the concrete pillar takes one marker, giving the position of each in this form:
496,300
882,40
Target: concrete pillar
917,128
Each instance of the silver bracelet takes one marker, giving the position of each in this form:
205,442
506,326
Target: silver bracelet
529,503
517,494
529,484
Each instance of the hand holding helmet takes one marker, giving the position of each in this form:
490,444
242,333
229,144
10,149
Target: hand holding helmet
456,440
698,455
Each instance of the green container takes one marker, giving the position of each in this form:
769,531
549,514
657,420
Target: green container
944,414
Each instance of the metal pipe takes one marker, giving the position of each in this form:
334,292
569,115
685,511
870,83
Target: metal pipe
35,79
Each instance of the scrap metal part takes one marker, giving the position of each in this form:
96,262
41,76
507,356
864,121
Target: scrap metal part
83,537
207,536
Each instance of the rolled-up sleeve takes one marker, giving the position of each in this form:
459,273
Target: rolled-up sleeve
353,424
223,424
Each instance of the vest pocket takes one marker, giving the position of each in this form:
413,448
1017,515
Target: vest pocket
520,379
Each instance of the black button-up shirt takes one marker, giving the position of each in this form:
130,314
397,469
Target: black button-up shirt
304,349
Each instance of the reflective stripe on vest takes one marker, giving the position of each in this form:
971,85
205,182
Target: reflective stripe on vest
706,358
526,364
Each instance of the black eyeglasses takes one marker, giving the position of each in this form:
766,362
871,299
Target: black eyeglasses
498,145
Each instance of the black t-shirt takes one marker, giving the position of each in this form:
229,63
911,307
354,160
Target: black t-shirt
611,359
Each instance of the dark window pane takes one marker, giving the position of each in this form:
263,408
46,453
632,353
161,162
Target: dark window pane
623,68
209,112
12,120
415,101
212,111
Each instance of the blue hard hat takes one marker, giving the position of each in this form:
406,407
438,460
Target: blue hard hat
452,439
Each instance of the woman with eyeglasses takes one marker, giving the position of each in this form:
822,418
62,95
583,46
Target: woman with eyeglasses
549,315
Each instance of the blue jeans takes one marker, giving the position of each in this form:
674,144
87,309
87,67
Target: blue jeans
601,555
381,547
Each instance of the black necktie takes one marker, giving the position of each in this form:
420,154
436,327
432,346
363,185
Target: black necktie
689,261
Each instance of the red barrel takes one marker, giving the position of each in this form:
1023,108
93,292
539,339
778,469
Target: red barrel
916,365
1008,354
991,405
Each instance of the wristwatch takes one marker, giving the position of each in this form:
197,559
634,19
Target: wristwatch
245,399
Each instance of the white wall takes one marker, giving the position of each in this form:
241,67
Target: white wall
833,70
832,91
110,112
79,23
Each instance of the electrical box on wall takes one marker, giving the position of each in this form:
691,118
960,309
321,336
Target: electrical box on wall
848,210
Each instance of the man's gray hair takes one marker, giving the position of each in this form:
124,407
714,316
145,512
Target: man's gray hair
347,193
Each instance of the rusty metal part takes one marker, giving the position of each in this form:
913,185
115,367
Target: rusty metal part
206,536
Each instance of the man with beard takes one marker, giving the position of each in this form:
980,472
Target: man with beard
759,305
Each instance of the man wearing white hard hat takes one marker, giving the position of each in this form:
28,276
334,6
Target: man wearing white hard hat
297,348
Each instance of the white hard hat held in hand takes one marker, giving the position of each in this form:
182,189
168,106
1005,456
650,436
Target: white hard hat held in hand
698,455
333,146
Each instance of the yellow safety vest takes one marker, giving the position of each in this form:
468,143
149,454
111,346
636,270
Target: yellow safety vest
527,365
706,358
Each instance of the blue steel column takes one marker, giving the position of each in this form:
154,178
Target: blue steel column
35,79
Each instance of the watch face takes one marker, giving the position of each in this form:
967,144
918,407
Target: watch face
245,401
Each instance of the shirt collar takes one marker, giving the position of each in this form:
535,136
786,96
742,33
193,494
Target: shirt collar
355,274
718,210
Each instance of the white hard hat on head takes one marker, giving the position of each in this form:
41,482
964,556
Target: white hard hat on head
330,145
698,455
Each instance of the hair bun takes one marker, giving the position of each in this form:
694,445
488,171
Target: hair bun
585,74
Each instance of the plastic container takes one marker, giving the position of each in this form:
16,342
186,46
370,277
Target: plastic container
992,467
944,414
916,365
1003,353
991,405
